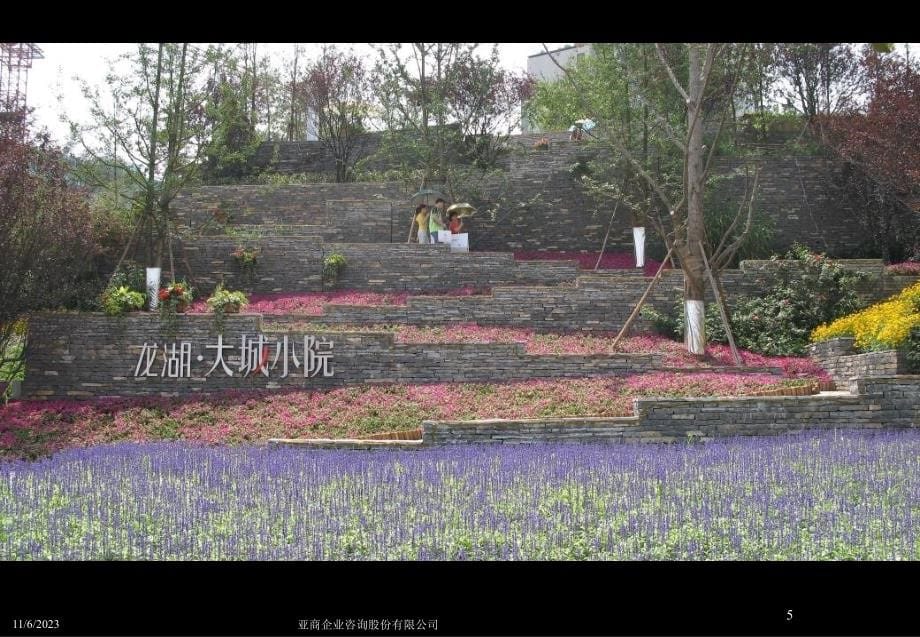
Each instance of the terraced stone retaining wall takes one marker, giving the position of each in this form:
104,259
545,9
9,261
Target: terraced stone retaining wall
800,195
874,403
82,355
597,302
321,205
838,356
295,264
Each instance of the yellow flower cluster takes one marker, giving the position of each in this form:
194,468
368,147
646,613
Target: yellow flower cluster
885,325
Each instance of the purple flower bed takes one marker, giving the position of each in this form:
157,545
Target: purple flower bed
816,496
586,260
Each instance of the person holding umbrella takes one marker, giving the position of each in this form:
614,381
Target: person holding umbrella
455,224
421,219
579,128
457,213
436,220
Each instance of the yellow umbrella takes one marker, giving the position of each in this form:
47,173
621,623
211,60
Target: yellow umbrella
462,210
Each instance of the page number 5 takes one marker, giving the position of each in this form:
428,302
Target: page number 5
788,614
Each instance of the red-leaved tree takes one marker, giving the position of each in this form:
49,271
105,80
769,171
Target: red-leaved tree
337,90
46,238
880,144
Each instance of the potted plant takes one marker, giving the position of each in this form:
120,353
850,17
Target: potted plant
118,301
541,144
176,297
246,258
227,301
332,268
224,302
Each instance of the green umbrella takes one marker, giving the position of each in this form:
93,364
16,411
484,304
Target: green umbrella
426,193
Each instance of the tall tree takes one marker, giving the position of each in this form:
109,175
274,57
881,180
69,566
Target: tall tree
46,237
880,143
682,120
337,90
411,87
158,129
484,101
230,133
822,78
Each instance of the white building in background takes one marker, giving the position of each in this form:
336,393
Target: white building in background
312,131
543,68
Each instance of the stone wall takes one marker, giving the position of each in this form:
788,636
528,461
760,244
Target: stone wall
797,193
599,301
307,156
875,403
295,264
838,356
324,205
82,355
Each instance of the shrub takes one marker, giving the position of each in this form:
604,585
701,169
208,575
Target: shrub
885,325
131,276
118,301
332,268
809,289
913,351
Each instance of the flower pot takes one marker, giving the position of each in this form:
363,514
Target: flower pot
153,286
181,306
232,308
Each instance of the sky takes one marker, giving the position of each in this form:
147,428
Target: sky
53,76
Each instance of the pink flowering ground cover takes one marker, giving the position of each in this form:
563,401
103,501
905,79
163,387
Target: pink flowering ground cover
907,267
312,302
586,260
31,429
674,352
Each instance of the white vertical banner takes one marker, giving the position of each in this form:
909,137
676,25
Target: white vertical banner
695,336
153,287
639,244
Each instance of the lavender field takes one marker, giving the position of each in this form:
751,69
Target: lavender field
833,495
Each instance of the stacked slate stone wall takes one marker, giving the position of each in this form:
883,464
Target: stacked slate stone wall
600,301
291,204
839,357
876,403
798,194
92,355
295,264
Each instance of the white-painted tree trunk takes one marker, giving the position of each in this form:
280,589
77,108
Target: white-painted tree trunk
695,334
639,244
153,287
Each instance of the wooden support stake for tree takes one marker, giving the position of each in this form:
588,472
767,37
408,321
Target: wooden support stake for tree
635,312
722,312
